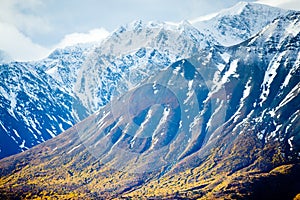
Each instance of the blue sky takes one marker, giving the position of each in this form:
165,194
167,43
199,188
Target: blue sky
30,29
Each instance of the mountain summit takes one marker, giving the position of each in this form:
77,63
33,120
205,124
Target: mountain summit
238,23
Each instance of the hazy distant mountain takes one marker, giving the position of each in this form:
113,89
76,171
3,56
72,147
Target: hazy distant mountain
222,123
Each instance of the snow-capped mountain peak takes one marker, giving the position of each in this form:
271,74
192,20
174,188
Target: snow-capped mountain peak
236,24
237,9
132,36
144,48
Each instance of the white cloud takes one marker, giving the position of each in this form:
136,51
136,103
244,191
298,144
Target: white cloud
18,46
22,48
22,25
23,15
94,35
19,25
286,4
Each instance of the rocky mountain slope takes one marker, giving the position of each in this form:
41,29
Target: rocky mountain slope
223,123
87,77
32,110
36,100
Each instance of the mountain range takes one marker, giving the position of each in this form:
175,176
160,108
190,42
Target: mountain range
205,110
132,53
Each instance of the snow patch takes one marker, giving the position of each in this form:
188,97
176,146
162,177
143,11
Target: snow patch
16,133
220,66
65,121
61,127
260,135
190,91
13,103
292,94
270,74
293,28
225,56
142,127
74,148
272,113
163,120
215,112
22,146
1,123
232,69
246,93
50,133
273,134
289,76
155,90
290,142
176,70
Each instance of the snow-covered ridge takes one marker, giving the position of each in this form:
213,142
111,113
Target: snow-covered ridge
132,53
134,47
238,23
159,35
234,10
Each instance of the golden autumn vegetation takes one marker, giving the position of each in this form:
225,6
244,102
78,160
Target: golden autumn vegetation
234,173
